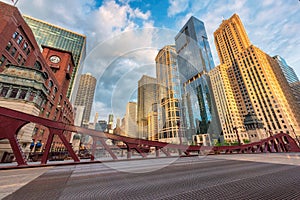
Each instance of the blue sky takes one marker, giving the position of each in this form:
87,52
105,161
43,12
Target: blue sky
124,36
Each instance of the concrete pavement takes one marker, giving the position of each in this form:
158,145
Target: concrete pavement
211,177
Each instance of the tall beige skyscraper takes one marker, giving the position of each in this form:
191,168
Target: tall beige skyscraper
256,80
147,96
168,94
131,120
85,96
229,115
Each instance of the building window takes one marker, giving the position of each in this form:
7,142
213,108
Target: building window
20,39
28,51
37,65
15,34
19,58
4,91
25,46
8,47
13,93
2,60
23,62
50,84
13,51
22,94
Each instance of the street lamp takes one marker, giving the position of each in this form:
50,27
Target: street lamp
295,135
237,135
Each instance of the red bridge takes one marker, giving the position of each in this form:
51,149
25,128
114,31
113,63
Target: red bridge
12,121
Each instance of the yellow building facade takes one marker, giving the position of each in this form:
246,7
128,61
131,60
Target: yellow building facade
256,80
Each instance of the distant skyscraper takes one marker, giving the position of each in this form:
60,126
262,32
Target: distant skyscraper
53,36
194,62
118,123
131,120
296,91
147,96
168,94
258,84
85,96
101,125
110,122
288,71
152,123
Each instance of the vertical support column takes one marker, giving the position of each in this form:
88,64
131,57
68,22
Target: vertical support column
94,146
9,129
19,92
107,148
47,148
157,151
1,87
28,94
67,145
8,92
17,150
128,151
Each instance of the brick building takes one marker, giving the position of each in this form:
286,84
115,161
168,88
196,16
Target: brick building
32,81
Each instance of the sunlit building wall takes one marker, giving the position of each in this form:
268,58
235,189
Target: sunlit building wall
168,95
257,81
152,125
85,96
147,96
131,120
230,117
53,36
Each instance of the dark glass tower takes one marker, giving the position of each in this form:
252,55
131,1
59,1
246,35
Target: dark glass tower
194,62
288,71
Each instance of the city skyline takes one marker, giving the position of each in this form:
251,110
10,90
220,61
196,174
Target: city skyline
131,15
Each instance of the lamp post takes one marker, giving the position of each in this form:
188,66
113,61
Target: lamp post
179,132
295,135
237,135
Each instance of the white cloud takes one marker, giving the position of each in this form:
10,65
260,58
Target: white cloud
139,14
177,6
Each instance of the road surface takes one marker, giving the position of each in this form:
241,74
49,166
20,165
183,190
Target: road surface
210,177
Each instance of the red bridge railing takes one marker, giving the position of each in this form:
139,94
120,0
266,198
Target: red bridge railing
12,121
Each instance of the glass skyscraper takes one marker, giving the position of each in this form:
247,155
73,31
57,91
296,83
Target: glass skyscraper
194,62
288,71
168,94
53,36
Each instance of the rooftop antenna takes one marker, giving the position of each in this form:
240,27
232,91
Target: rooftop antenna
15,2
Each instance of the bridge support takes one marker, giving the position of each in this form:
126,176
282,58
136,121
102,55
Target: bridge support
58,132
9,129
107,148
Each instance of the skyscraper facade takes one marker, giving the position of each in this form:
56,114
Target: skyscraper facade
169,94
296,91
131,120
85,96
51,35
288,71
147,96
194,62
229,115
258,84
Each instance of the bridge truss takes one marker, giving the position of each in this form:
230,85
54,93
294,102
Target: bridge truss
12,121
